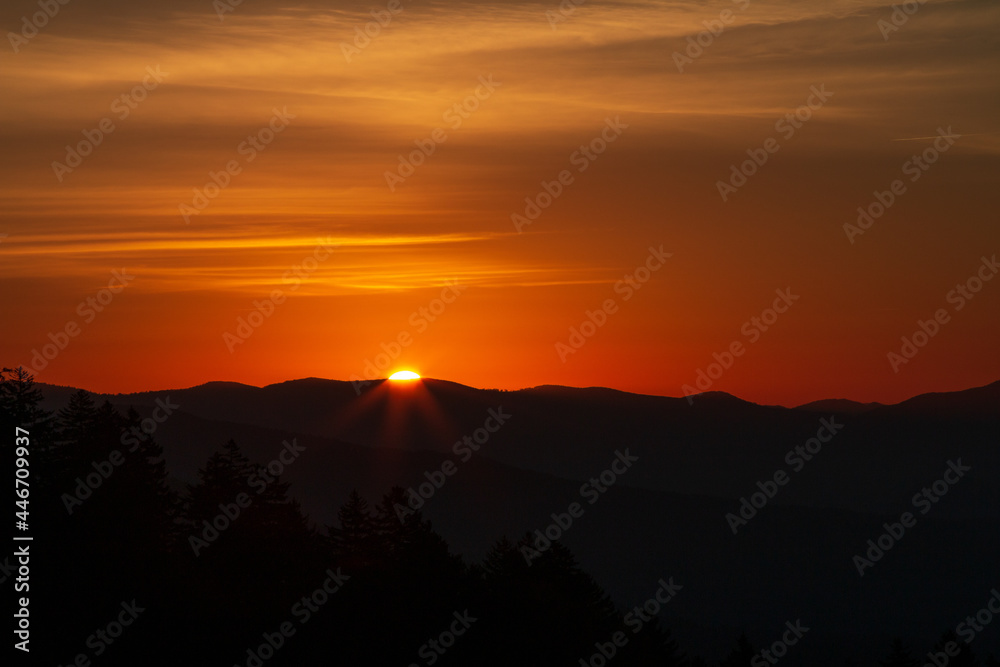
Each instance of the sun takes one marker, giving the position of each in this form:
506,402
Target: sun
404,375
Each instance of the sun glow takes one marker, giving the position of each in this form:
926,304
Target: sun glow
404,375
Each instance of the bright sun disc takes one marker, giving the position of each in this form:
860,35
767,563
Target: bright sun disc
404,375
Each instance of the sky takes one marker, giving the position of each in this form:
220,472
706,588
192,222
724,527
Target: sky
198,191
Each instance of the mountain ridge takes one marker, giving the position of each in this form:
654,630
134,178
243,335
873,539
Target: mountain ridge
696,464
845,404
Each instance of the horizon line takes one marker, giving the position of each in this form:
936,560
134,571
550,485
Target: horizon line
872,404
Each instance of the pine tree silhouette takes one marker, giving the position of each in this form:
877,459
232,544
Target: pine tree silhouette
409,540
20,401
545,612
105,520
356,543
965,657
396,566
899,656
250,552
742,653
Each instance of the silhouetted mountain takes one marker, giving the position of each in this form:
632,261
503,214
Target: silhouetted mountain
979,402
719,446
666,516
839,406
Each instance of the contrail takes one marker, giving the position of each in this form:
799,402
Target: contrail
950,136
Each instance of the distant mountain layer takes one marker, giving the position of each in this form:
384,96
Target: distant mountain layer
836,471
839,405
718,446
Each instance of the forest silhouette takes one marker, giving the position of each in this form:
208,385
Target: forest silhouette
224,573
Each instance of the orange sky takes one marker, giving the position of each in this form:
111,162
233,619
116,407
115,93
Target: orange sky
322,180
